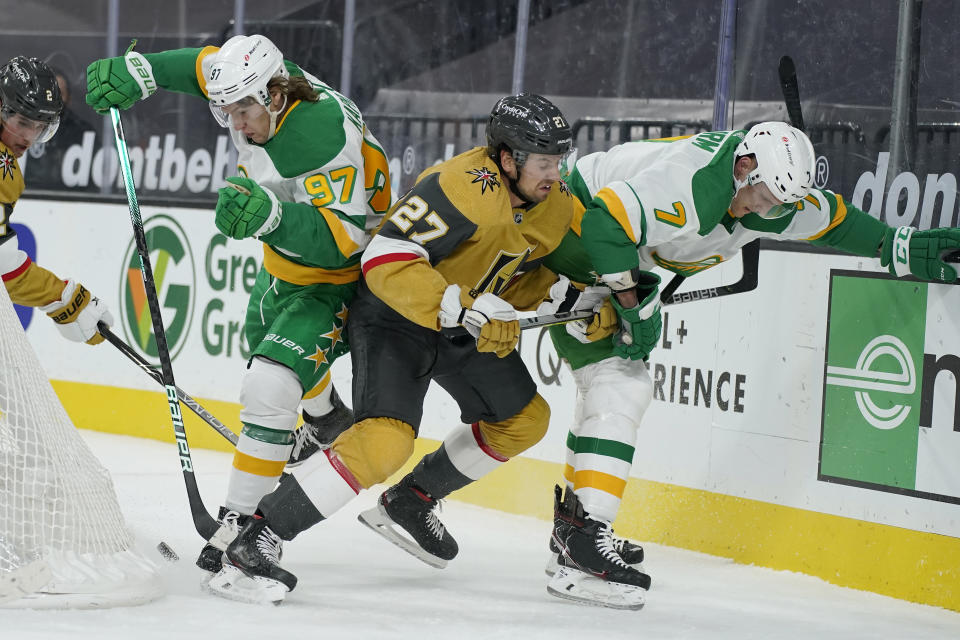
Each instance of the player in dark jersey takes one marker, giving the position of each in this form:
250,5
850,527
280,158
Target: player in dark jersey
445,275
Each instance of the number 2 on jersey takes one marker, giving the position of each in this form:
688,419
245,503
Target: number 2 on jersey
413,210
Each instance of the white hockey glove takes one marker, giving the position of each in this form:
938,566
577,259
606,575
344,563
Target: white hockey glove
77,314
563,297
604,323
489,319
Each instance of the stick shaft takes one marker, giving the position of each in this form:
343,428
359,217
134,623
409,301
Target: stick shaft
184,397
205,524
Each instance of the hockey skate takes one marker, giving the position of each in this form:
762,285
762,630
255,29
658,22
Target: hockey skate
591,571
631,553
211,556
406,516
251,567
319,432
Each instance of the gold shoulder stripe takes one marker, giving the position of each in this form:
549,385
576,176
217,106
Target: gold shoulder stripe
838,216
612,201
284,118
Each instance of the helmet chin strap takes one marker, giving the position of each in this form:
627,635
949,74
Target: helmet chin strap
512,182
273,117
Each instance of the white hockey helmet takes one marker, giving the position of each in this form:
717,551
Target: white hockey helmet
243,67
785,162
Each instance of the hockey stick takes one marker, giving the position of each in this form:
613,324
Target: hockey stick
747,282
750,253
185,398
205,524
791,91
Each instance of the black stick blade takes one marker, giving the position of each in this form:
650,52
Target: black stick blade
791,91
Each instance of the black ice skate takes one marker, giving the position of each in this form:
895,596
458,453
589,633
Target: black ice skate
319,432
210,558
631,553
404,508
251,567
591,570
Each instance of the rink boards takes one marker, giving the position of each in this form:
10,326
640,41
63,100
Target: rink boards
811,425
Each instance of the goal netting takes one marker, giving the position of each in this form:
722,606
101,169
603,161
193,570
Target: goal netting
63,539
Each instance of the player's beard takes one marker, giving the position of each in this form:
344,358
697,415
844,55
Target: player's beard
526,197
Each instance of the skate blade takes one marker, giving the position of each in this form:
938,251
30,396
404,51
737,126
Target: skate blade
378,521
571,584
24,581
233,584
553,565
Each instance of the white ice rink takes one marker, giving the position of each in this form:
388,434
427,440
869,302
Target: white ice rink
353,584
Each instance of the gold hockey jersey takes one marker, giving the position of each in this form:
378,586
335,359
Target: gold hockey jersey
457,226
27,283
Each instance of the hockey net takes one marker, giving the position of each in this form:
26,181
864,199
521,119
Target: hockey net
63,539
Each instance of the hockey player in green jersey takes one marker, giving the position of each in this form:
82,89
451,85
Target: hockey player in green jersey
684,206
313,182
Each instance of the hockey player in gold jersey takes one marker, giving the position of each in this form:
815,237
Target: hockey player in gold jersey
30,107
455,259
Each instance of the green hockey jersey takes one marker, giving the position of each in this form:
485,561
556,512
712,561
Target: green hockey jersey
328,171
666,203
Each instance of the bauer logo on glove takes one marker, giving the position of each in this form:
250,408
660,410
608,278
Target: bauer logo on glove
77,314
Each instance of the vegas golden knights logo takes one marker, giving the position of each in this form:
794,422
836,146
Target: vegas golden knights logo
501,272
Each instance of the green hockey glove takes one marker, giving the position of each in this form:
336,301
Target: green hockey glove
640,326
906,251
119,82
246,210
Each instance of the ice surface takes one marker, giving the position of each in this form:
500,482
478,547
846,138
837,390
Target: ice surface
354,584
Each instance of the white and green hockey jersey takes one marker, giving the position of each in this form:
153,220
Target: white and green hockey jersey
665,203
326,169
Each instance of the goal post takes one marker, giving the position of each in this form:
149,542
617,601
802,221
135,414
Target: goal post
63,539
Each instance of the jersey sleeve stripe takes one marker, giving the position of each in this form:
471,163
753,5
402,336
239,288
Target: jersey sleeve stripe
614,206
201,76
341,235
17,271
387,258
838,216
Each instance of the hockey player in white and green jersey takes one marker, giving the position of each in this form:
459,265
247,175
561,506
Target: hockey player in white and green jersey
684,205
312,183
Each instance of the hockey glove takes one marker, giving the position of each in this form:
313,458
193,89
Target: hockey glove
489,319
906,251
246,210
564,297
640,326
119,82
604,323
77,314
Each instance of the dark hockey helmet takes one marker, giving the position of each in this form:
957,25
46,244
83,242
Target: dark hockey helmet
528,123
28,87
